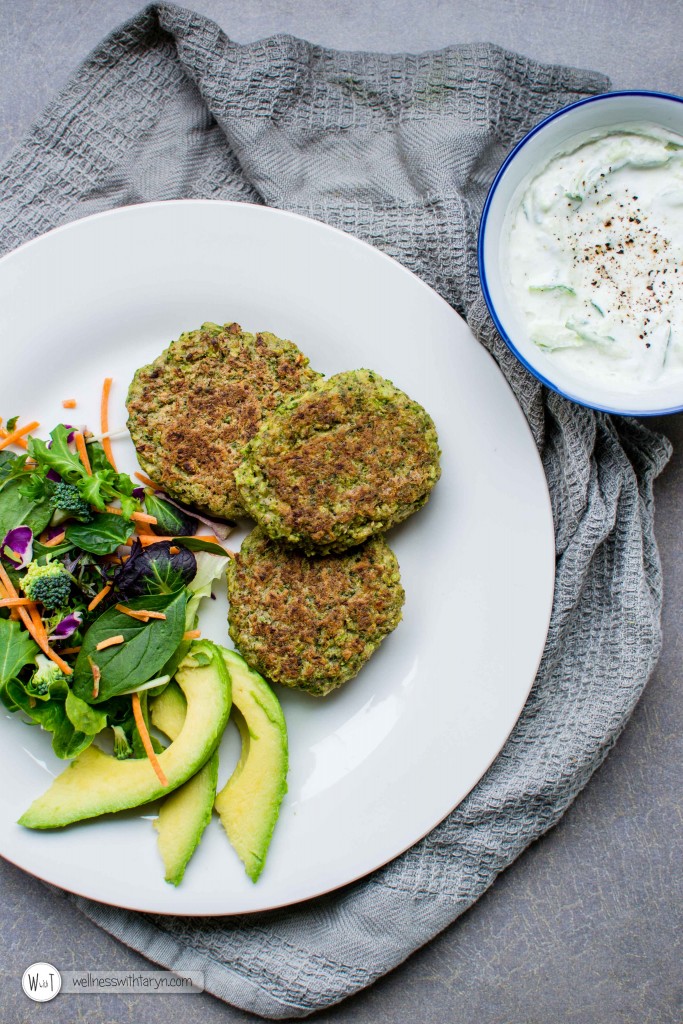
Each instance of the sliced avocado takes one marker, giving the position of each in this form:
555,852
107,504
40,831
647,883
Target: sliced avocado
97,783
184,814
249,803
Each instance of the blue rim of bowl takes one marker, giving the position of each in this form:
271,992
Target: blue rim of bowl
601,97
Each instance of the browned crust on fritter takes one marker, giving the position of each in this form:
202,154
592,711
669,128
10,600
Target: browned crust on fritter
311,622
349,458
192,410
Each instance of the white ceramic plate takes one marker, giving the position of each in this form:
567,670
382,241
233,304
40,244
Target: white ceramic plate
376,765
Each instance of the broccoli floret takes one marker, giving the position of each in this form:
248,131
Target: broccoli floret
50,584
68,504
44,677
122,748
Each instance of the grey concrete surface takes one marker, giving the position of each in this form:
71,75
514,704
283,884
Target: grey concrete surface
586,927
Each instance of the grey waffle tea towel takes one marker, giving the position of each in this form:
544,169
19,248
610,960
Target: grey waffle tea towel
398,150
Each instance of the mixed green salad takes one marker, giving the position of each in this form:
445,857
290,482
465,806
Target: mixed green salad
100,585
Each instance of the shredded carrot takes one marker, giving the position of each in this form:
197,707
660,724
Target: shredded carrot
146,741
146,481
192,634
146,539
144,530
70,650
19,441
14,602
155,539
39,637
69,403
55,540
137,517
37,622
174,550
142,614
17,435
96,676
104,421
99,597
144,518
111,641
13,612
5,433
82,452
43,644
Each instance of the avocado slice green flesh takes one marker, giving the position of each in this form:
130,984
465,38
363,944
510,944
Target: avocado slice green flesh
249,803
97,783
184,814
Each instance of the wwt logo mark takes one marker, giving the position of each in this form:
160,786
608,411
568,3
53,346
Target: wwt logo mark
41,982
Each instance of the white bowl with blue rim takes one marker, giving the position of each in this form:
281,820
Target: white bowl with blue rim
553,136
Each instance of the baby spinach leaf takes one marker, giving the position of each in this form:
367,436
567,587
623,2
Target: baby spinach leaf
170,520
17,509
16,650
145,648
102,535
197,544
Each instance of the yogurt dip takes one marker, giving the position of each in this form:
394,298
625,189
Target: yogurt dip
592,257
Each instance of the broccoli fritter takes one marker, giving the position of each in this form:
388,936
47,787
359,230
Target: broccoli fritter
192,410
311,622
350,458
